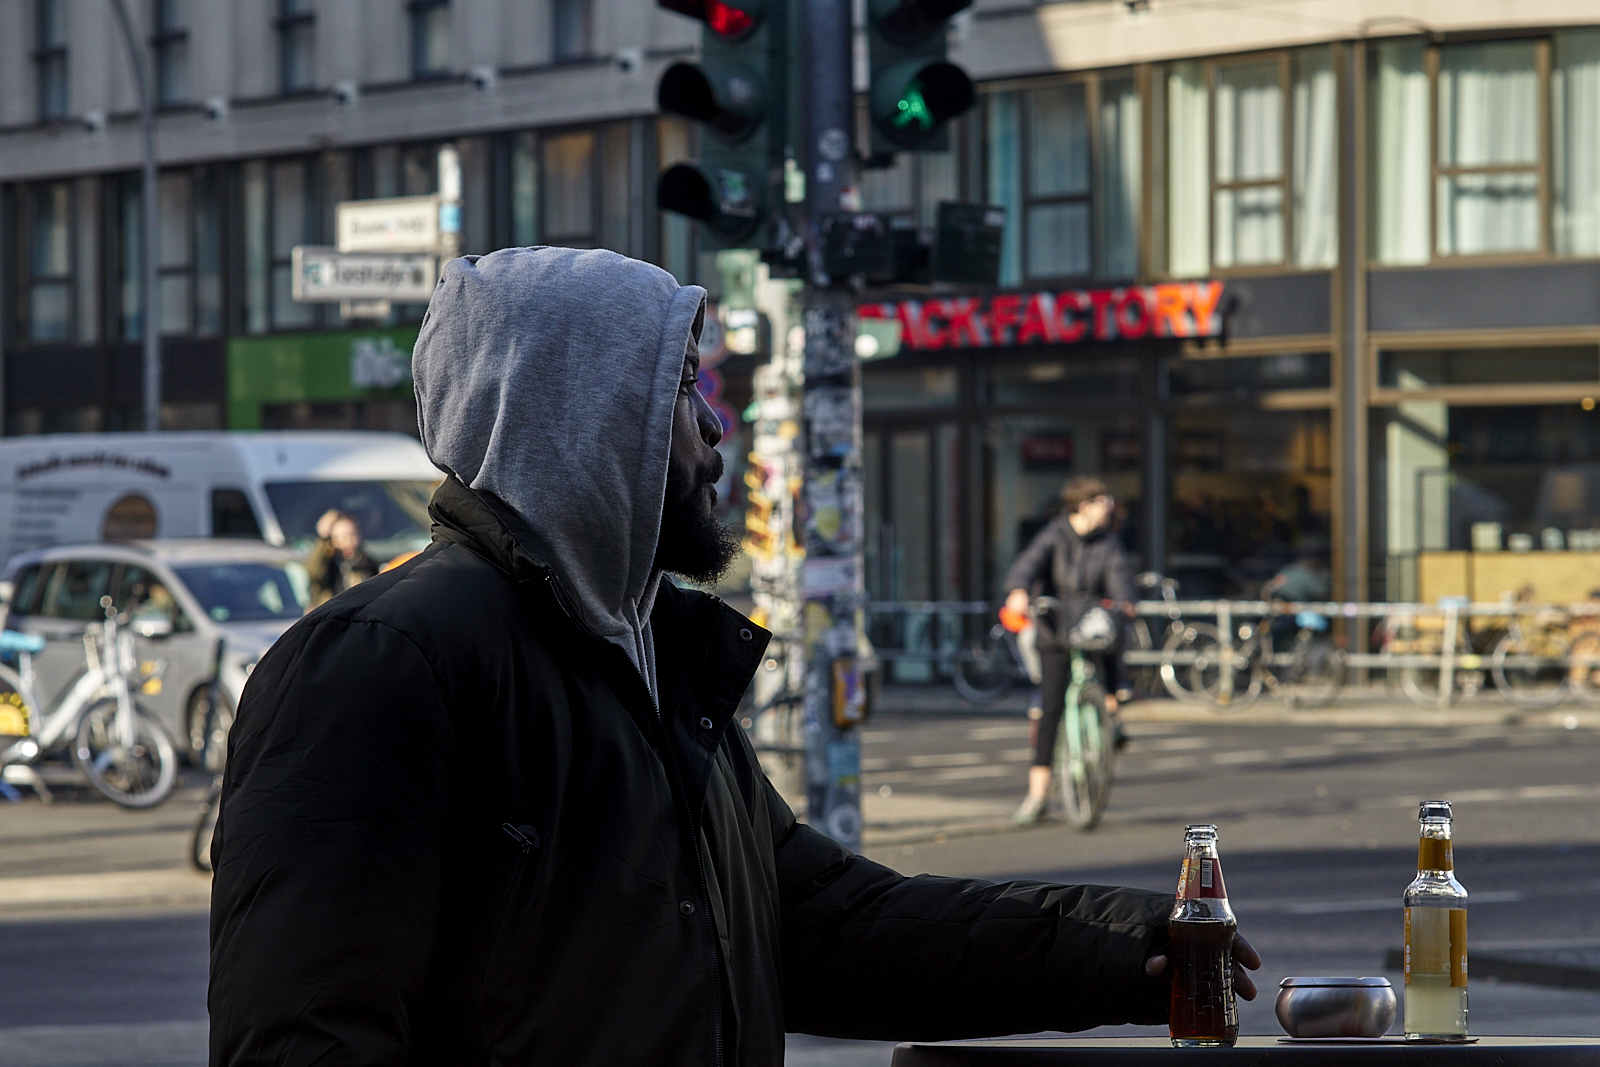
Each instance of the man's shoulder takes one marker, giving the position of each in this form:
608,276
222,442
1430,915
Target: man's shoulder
445,594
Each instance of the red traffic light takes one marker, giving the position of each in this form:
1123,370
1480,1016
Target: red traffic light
728,20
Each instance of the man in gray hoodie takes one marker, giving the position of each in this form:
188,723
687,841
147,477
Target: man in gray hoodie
492,806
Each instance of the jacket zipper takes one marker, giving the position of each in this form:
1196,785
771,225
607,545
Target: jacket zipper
527,845
683,798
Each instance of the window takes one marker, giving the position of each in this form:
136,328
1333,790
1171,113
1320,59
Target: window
430,38
1456,149
570,29
50,59
1250,161
569,189
1065,162
675,144
232,515
49,261
296,26
171,44
190,253
25,598
1487,163
525,190
76,588
126,266
292,219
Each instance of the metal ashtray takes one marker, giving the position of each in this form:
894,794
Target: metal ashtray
1335,1007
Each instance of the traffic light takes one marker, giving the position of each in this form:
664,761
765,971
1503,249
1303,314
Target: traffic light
915,90
736,93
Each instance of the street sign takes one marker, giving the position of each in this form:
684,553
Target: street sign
392,224
329,276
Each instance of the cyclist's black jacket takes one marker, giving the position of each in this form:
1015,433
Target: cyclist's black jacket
1079,571
654,901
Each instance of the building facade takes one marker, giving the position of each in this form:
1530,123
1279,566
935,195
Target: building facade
1393,207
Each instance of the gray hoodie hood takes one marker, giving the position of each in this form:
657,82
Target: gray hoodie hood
547,376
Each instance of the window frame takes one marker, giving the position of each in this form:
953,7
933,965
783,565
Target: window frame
1543,46
1285,160
586,43
169,44
971,166
290,22
30,215
419,12
50,63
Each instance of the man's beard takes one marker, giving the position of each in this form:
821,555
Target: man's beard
693,544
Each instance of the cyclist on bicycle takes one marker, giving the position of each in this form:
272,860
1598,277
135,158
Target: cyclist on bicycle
1077,560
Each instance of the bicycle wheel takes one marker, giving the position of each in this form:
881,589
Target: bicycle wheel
1531,671
1144,678
205,826
1190,640
1315,677
1084,752
140,775
984,672
1210,667
1584,674
219,721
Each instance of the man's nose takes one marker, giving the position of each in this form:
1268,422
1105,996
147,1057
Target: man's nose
710,424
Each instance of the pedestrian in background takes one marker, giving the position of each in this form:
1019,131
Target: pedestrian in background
343,563
494,806
1076,559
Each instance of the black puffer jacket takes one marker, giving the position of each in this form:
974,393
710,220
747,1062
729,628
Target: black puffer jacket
455,831
1078,571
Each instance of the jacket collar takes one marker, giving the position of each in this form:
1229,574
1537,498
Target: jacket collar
706,652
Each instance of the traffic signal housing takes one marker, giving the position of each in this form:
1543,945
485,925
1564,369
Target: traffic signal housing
736,93
915,90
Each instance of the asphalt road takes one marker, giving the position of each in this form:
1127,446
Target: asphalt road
1317,825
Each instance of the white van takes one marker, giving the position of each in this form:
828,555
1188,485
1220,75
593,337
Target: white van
63,488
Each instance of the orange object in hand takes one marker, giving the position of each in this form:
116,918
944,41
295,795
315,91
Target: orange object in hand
1015,621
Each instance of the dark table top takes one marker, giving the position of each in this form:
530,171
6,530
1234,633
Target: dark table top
1254,1052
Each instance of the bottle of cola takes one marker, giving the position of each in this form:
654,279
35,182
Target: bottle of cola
1202,928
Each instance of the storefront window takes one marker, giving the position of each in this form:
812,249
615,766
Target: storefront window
1397,92
1249,496
1249,375
1062,381
1120,166
1248,197
1435,368
900,388
1032,456
1057,221
1518,483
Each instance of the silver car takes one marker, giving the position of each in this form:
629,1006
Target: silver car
243,594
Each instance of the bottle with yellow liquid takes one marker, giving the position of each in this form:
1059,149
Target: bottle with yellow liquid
1436,936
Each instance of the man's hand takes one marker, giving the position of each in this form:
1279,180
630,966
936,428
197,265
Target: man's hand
1017,600
1243,956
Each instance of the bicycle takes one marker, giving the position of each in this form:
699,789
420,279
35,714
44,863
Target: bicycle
218,721
1086,743
1531,665
986,672
118,746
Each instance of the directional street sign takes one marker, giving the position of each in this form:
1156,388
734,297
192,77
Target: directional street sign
392,224
327,275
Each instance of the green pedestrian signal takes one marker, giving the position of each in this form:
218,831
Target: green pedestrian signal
915,90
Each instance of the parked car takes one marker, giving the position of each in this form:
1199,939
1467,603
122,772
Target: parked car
245,593
264,486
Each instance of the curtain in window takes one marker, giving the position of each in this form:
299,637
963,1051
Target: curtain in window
1249,219
1188,172
1117,180
1575,143
50,263
1315,179
1398,174
1002,132
1058,234
1488,117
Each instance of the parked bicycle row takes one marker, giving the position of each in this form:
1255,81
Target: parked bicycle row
1228,653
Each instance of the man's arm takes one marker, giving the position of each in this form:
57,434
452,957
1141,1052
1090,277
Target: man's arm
869,953
329,851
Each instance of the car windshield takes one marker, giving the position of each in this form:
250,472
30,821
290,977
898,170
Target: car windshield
392,515
248,592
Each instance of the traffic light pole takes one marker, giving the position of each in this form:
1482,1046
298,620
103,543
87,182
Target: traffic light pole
831,578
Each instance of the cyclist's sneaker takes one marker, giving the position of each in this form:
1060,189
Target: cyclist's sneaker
1030,811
